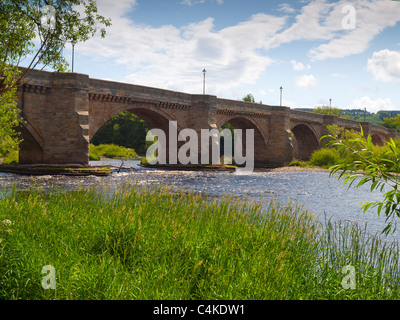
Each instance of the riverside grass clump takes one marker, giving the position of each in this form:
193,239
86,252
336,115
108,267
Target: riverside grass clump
111,151
163,243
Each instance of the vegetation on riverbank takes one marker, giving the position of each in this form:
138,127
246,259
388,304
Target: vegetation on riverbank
11,157
95,153
34,170
111,151
158,243
329,156
356,159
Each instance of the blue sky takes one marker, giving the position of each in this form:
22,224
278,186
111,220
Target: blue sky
315,49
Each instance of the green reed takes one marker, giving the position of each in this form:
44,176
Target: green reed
163,243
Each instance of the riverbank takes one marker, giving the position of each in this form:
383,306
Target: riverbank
217,168
155,243
67,170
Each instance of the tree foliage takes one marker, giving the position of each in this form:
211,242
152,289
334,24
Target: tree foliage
249,98
33,33
327,110
392,123
9,138
380,170
124,129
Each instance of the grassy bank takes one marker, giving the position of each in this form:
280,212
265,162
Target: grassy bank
111,151
159,244
95,153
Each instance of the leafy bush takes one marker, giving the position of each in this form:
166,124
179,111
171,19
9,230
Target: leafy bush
111,151
325,157
94,157
298,163
11,158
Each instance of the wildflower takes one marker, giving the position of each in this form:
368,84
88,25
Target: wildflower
7,222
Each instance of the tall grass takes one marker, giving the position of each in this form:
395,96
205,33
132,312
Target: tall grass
159,243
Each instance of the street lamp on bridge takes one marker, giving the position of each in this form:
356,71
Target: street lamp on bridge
204,81
73,42
280,103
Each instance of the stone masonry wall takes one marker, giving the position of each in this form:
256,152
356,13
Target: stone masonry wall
62,113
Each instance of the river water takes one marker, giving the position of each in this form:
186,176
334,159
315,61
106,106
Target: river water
324,196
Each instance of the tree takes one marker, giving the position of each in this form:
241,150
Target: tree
392,123
126,130
328,110
371,165
34,32
249,98
39,30
9,139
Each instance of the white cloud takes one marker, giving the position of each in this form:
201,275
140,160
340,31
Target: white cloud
372,17
173,58
194,2
298,66
321,21
191,2
115,10
306,81
385,65
290,104
306,27
286,8
372,105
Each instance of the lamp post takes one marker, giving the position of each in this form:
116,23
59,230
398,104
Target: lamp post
280,101
204,81
73,42
330,103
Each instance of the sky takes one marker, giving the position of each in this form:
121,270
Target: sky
316,50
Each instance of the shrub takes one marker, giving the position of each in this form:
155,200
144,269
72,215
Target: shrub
325,157
94,157
298,163
144,161
111,151
11,158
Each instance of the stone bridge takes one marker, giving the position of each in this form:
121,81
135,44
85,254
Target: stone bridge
62,113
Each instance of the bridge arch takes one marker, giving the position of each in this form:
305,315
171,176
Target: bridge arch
377,139
260,141
155,117
32,145
305,141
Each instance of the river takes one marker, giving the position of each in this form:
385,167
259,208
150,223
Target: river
324,196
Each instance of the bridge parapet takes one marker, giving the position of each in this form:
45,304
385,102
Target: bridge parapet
137,92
